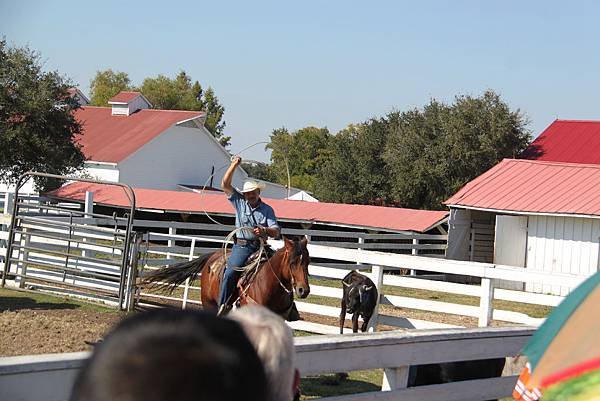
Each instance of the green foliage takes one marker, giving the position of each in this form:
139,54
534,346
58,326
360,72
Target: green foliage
354,171
431,153
181,94
259,170
37,126
107,84
301,152
416,159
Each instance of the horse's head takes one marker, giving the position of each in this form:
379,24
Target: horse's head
298,260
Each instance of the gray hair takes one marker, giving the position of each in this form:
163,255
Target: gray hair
274,345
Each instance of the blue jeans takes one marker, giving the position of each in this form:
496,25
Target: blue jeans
239,255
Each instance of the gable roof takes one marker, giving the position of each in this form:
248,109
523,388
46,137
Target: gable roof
534,187
125,97
361,216
570,141
111,139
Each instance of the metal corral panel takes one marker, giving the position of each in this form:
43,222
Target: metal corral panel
562,244
530,187
570,141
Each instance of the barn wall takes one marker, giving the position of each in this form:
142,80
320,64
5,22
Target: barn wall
102,172
181,155
562,244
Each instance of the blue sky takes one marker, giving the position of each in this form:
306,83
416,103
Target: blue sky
329,63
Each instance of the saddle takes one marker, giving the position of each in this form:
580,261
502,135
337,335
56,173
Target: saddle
218,267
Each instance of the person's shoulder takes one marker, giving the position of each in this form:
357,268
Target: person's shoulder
235,195
266,206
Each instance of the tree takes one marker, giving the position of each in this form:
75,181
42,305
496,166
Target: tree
106,84
301,153
37,125
181,94
258,170
433,152
354,170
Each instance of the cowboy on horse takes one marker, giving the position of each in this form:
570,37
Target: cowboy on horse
259,222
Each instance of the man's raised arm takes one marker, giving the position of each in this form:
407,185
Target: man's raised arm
228,176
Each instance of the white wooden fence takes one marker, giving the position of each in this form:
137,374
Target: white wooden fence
50,377
380,265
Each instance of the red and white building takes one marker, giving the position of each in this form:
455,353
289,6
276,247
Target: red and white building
131,143
541,212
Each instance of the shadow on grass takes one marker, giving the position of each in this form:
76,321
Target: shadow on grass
19,303
331,385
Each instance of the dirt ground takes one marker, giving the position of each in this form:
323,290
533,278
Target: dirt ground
44,331
31,323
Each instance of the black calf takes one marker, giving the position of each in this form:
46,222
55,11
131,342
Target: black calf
359,299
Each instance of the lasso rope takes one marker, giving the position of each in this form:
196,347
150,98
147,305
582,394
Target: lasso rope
227,165
213,174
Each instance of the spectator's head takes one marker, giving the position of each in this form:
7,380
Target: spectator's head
173,355
274,343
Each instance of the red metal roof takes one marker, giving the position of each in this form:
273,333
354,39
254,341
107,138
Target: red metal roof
108,138
124,97
534,187
570,141
378,217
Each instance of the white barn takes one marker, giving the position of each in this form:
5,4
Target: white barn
540,215
131,143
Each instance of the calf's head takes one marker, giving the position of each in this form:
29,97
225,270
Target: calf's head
357,296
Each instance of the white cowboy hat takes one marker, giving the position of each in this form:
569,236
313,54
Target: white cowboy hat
252,185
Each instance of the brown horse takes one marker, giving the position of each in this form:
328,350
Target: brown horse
273,285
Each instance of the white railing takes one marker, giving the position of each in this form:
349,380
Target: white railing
50,377
487,273
379,265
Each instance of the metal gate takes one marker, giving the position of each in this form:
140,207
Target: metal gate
65,248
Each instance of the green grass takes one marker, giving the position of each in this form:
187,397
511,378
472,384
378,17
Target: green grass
22,299
529,309
330,385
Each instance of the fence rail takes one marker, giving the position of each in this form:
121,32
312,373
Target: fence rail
89,235
50,377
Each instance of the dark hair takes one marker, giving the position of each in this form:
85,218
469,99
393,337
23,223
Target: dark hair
172,355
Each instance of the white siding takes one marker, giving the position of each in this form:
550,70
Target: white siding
120,110
102,172
180,155
27,188
562,244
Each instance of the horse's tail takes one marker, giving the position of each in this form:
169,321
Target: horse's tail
171,276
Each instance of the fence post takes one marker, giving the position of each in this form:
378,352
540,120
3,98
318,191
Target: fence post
377,277
361,240
414,252
186,289
171,241
472,245
133,271
395,378
8,200
88,208
23,258
485,302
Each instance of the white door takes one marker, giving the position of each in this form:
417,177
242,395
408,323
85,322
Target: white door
510,245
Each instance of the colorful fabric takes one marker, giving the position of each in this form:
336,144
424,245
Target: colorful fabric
566,346
521,392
